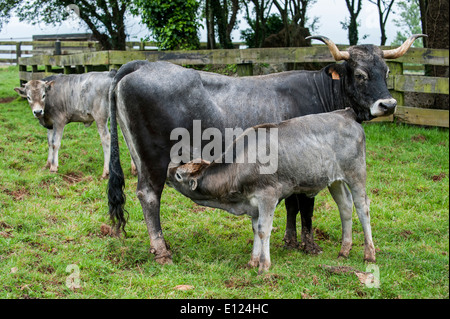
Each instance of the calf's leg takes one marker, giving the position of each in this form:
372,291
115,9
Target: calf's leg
50,148
362,204
256,252
55,141
343,199
266,208
106,145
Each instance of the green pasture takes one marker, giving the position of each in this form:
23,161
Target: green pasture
53,242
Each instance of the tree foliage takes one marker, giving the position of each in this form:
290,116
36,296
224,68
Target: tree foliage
409,22
174,24
105,18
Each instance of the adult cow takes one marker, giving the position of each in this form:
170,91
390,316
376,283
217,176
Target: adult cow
61,99
152,99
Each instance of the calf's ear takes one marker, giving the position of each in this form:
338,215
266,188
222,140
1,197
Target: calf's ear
49,85
193,184
21,92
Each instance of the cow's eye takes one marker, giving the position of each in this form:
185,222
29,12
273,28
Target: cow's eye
28,98
361,75
43,96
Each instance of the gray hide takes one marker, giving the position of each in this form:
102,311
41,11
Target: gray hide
61,99
314,152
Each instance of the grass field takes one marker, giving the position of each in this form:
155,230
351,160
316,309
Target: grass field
51,225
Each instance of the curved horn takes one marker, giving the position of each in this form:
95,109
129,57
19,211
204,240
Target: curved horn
398,52
337,54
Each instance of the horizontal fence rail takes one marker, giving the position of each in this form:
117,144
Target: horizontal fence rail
399,81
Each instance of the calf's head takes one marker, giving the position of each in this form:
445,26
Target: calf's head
365,73
35,92
186,179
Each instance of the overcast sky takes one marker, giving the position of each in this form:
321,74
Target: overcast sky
330,13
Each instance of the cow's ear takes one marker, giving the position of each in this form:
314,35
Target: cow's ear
21,92
193,184
335,71
49,85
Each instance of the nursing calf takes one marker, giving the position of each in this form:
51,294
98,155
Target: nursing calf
314,152
61,99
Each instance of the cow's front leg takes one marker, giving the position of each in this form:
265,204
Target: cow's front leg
292,209
150,198
266,209
304,204
50,148
306,207
106,145
56,144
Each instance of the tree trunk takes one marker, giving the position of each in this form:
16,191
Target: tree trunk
436,27
211,36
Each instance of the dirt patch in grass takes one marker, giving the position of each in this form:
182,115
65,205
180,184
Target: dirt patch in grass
73,177
438,178
4,100
418,138
18,194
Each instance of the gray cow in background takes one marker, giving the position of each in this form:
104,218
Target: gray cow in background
314,152
60,99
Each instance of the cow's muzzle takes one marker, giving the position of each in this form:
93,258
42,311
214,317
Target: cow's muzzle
38,113
383,107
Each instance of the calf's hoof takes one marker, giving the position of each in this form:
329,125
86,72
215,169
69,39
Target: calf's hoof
369,254
164,259
253,263
263,267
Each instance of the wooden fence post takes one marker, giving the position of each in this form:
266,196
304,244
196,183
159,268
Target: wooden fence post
396,68
18,51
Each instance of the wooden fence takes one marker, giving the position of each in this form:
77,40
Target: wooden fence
38,67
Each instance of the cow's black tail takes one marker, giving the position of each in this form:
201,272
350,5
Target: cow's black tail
116,183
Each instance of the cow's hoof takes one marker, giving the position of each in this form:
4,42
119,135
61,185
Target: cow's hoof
291,243
105,176
53,170
310,247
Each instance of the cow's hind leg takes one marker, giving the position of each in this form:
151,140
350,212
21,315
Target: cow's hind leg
343,199
149,194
